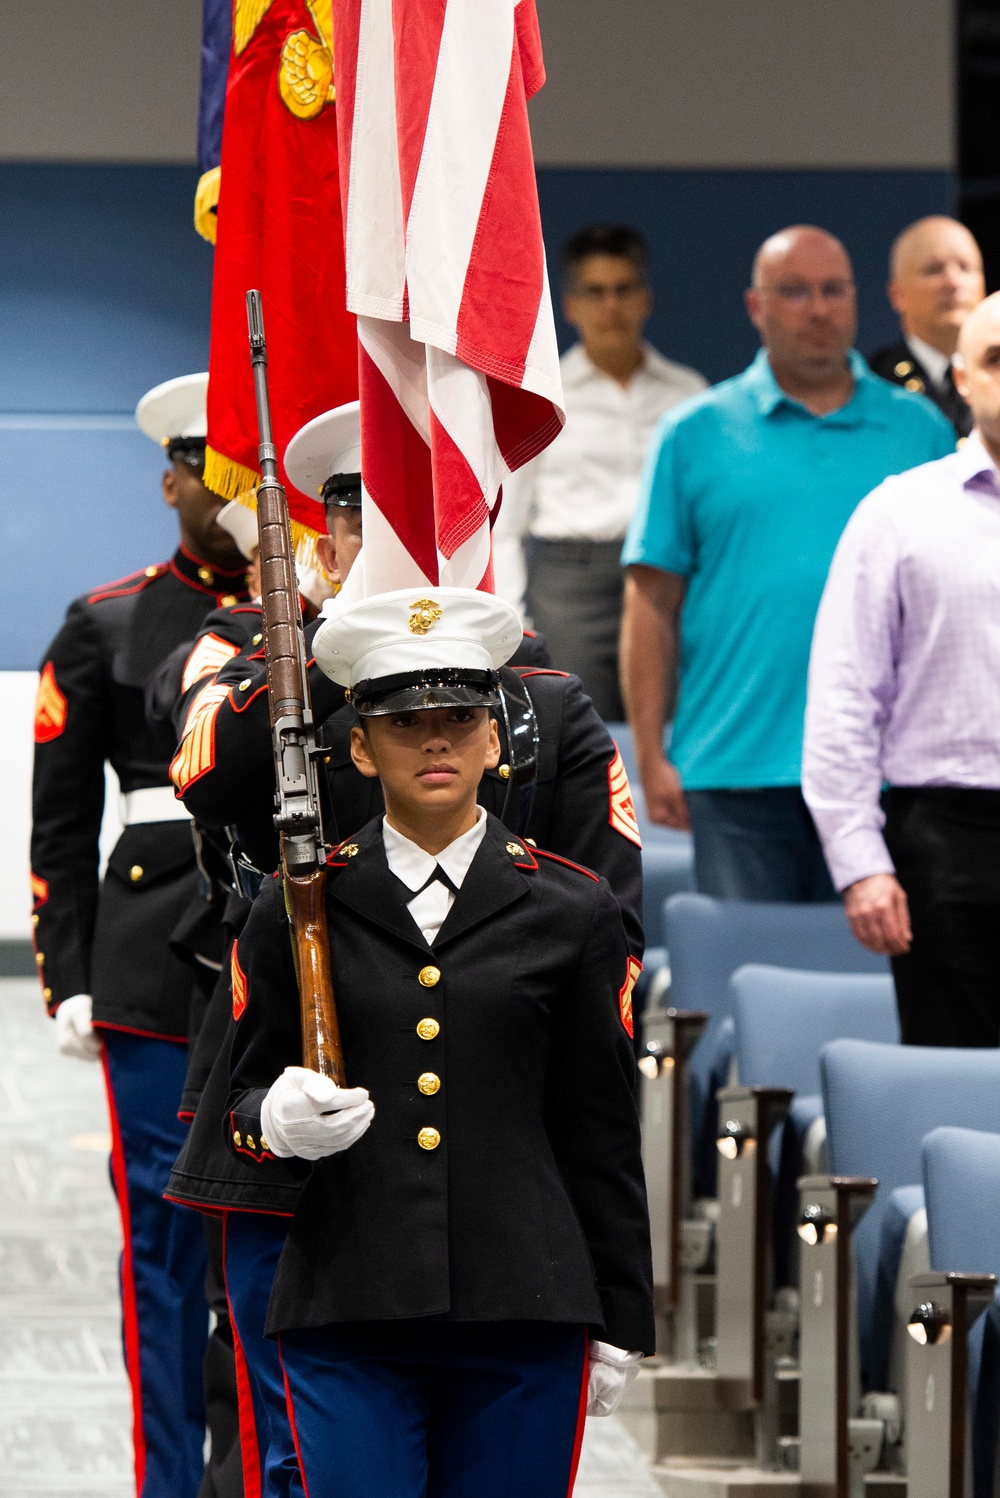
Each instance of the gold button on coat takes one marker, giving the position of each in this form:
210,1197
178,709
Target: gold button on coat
40,958
504,772
136,872
237,1138
206,576
428,1139
904,367
227,600
428,1029
257,639
515,850
246,683
46,993
151,571
429,1083
915,386
429,977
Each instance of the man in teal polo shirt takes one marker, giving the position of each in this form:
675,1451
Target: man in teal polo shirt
746,490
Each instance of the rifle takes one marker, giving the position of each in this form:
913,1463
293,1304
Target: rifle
297,818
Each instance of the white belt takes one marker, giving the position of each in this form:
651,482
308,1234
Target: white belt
155,804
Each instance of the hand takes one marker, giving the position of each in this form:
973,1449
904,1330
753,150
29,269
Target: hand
879,914
611,1371
307,1115
74,1029
666,803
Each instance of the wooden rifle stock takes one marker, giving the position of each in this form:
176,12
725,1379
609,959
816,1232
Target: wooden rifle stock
298,814
306,897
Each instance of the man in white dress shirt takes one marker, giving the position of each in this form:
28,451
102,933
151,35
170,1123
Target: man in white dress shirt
903,691
558,539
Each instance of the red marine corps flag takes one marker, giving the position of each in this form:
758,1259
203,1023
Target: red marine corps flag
279,229
459,369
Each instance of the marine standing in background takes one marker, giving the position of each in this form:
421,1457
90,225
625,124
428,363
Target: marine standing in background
109,977
935,280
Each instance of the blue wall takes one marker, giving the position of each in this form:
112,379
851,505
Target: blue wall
704,227
105,290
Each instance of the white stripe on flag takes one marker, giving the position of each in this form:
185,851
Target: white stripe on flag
374,246
460,399
470,85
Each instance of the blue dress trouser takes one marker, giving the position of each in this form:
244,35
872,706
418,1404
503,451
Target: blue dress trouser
252,1245
437,1409
164,1311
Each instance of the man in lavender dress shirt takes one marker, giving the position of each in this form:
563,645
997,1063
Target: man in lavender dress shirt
904,691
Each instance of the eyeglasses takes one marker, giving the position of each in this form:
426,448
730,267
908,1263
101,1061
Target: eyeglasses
619,292
800,292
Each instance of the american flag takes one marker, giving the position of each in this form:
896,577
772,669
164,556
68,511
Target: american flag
459,370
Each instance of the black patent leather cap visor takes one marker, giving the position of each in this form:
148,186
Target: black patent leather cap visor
420,691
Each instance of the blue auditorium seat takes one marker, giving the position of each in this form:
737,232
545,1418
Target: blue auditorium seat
961,1172
667,855
784,1018
707,940
880,1102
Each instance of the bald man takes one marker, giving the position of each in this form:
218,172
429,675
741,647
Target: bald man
746,491
903,691
935,280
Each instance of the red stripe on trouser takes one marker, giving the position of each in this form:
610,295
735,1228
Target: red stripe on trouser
130,1315
581,1418
291,1421
249,1448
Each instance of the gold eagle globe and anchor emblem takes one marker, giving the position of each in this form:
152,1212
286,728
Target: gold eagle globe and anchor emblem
425,615
305,74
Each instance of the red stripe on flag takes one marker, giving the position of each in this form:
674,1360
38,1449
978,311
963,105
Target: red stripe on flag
460,508
507,262
346,21
523,422
396,463
416,44
529,43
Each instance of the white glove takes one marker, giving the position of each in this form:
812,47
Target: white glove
306,1114
611,1372
74,1029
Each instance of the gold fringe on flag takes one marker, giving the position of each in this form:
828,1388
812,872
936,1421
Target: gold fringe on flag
206,203
236,481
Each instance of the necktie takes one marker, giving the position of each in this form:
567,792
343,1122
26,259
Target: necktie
953,405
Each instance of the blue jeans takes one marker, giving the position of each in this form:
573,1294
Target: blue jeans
758,845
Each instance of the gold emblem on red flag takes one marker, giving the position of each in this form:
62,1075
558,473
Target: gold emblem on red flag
305,79
50,707
247,16
621,808
426,614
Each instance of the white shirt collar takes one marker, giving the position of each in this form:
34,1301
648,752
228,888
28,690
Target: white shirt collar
413,866
934,362
578,367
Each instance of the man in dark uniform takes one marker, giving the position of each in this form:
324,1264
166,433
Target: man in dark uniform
466,1242
935,280
108,975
